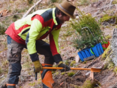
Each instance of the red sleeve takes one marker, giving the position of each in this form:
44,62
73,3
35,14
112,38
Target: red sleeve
40,18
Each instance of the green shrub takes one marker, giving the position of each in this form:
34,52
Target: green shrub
2,29
88,31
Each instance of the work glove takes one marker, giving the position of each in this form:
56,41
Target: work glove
37,66
36,62
65,67
58,60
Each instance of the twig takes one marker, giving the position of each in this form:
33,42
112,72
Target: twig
110,3
103,7
76,73
11,15
31,9
1,76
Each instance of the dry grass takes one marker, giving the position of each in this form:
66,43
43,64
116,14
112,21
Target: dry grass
84,2
67,34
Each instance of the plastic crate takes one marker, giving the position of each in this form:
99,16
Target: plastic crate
97,49
84,54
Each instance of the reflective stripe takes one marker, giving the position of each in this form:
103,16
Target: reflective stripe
10,84
24,33
54,41
54,17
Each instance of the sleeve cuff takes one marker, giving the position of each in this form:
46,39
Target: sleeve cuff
34,57
57,58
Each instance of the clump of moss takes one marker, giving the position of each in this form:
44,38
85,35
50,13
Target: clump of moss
0,70
115,70
108,37
106,17
71,74
53,72
66,62
53,1
84,62
104,55
32,84
56,73
63,73
114,2
111,65
105,66
72,63
90,84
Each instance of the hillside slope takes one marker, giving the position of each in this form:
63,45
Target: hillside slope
105,79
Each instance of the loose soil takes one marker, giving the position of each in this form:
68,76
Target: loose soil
106,78
64,81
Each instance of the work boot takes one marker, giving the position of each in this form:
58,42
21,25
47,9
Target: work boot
46,76
11,87
4,86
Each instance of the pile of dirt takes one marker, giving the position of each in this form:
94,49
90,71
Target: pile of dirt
64,81
79,78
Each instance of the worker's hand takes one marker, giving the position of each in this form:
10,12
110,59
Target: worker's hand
37,66
65,67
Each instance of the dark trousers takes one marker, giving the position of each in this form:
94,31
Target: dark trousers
14,57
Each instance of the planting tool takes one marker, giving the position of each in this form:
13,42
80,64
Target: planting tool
36,76
92,75
90,69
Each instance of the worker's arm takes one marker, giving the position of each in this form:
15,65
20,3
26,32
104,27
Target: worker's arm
31,38
55,49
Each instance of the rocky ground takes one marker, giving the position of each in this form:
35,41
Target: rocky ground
104,79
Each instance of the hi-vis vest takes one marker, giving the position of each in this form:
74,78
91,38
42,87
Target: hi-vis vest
36,26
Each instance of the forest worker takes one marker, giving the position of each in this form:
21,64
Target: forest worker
28,33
